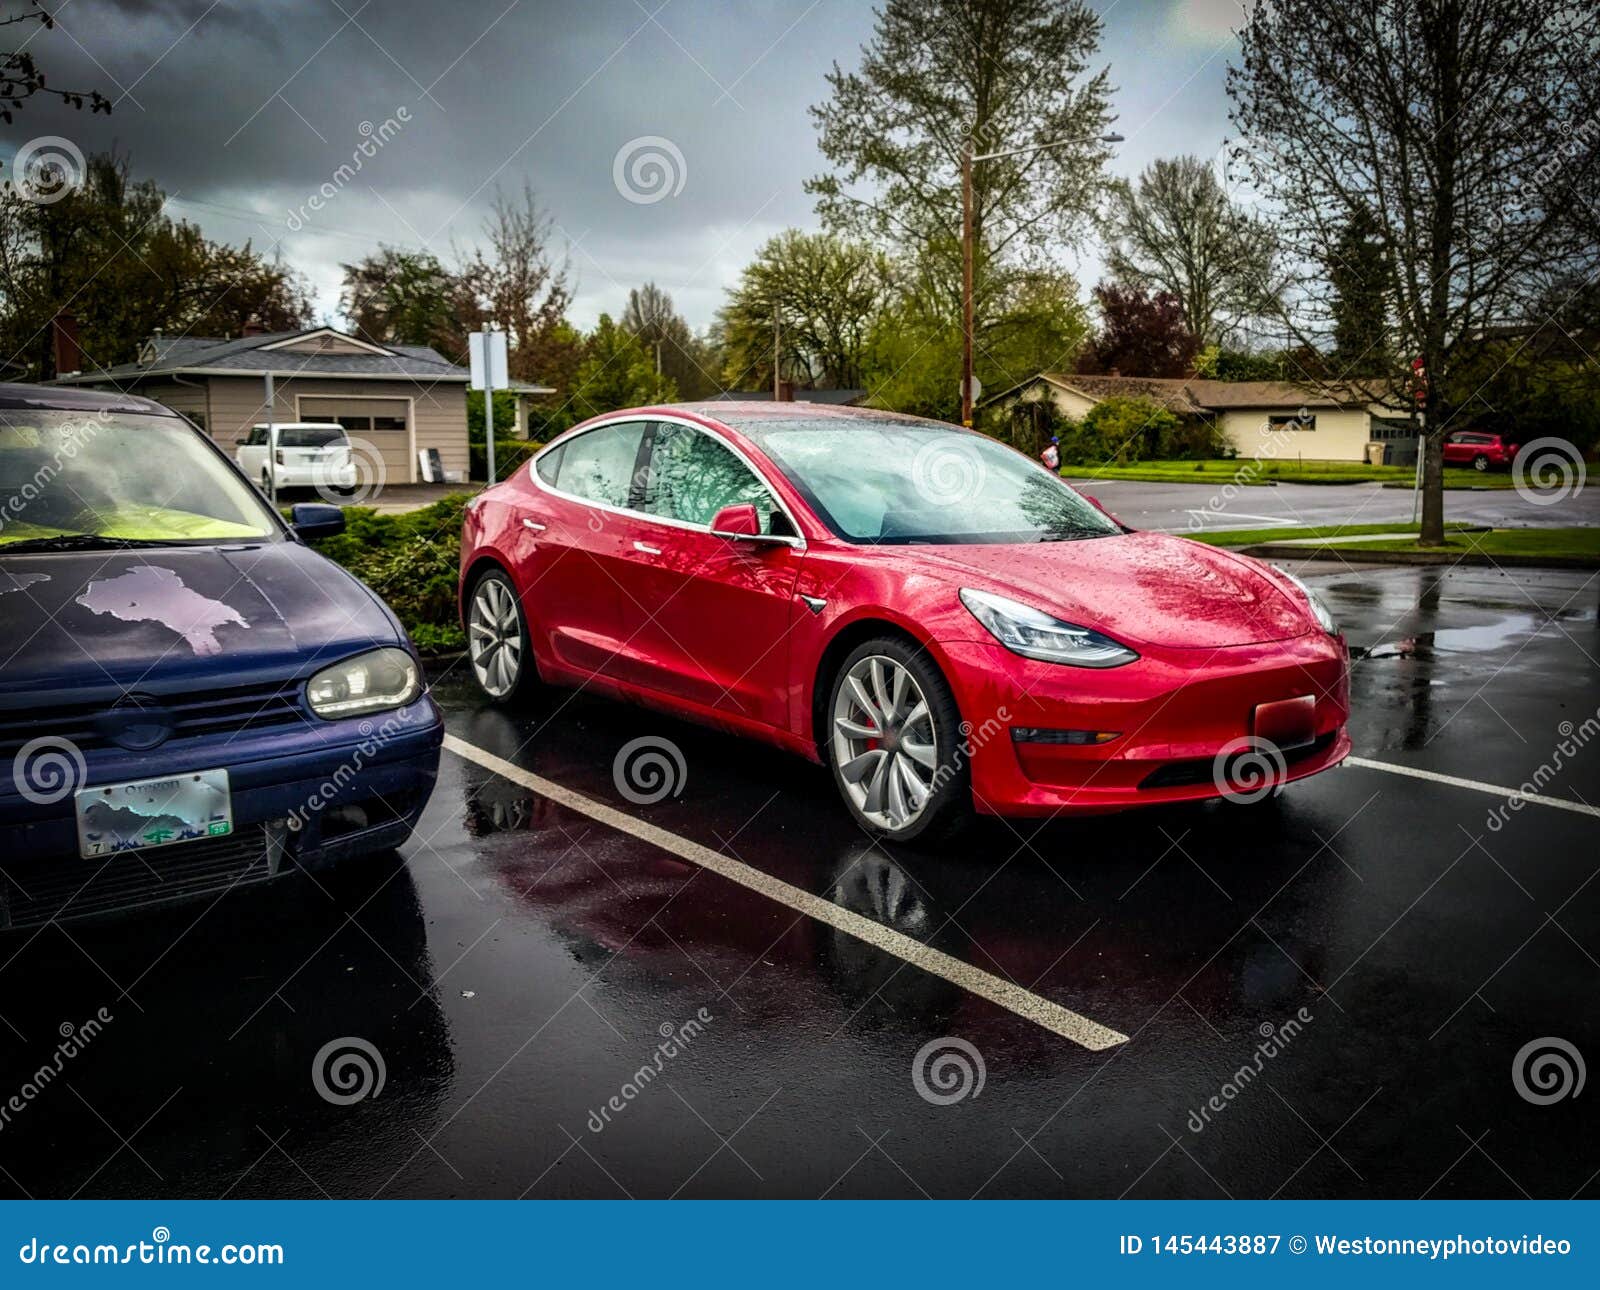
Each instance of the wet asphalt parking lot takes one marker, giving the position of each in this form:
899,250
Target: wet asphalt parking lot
522,959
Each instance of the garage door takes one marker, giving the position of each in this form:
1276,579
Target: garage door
359,416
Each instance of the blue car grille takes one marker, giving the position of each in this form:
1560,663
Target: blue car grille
35,891
194,713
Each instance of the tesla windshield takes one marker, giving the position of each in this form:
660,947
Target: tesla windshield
70,479
902,482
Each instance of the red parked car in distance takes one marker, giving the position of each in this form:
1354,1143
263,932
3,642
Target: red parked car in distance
935,616
1479,449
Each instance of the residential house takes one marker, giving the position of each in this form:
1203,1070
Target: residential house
1317,422
403,399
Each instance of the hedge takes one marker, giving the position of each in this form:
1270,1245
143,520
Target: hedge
412,561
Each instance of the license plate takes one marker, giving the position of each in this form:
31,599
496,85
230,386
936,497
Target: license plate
153,812
1289,723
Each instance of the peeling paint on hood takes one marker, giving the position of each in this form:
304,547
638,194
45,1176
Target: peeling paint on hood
147,593
10,582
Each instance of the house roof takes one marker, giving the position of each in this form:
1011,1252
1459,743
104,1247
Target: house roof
1194,395
273,352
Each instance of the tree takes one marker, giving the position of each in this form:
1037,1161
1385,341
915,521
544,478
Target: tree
21,78
521,285
1472,142
680,355
1358,279
1140,334
401,297
938,78
825,291
617,372
1176,230
127,269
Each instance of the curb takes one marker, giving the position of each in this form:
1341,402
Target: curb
1272,551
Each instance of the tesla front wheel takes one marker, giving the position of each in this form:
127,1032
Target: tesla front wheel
895,744
497,640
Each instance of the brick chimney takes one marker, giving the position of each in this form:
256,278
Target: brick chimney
66,343
785,391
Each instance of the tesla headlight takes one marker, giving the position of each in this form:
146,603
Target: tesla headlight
1319,611
1033,633
371,682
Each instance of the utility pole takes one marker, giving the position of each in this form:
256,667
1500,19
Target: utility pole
968,251
966,286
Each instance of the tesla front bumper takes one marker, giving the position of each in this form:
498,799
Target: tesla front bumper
1043,738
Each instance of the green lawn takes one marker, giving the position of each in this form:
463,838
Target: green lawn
1534,543
1246,472
1249,537
1524,542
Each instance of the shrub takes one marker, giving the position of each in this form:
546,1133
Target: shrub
508,455
412,561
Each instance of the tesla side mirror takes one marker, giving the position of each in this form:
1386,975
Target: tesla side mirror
737,521
316,520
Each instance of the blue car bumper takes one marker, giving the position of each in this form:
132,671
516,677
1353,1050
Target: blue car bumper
301,799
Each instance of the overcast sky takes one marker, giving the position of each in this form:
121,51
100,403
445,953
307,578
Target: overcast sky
242,111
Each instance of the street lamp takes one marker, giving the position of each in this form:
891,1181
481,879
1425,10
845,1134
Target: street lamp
967,160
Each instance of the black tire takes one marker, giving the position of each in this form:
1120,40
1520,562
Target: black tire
947,808
489,666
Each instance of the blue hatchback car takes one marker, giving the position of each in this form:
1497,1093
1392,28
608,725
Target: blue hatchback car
191,698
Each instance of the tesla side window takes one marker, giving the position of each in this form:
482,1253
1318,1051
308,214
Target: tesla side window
905,482
693,476
550,463
598,465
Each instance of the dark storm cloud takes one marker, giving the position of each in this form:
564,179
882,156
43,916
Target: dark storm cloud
247,112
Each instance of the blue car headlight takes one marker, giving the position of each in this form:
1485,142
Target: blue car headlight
1033,633
371,682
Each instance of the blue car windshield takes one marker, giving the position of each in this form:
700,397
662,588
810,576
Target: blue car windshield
897,482
68,476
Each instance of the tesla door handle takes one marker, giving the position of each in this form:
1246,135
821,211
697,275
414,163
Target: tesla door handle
647,548
534,525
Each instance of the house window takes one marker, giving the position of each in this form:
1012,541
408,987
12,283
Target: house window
1306,422
358,416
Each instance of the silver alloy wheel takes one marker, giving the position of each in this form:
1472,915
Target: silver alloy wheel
884,742
495,638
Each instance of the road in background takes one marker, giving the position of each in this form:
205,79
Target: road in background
1184,508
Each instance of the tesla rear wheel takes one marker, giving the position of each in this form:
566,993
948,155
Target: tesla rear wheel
497,640
1480,462
894,743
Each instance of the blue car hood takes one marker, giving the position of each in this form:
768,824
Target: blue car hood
97,618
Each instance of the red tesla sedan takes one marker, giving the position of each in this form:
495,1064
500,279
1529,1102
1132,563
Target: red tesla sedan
941,620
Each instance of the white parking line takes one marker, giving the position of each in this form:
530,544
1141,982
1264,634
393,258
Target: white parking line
1279,520
1476,785
1005,994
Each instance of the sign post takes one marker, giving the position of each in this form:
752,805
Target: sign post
486,355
